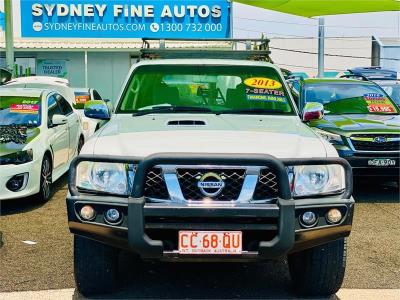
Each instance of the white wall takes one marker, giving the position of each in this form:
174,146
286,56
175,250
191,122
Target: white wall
308,63
106,71
390,52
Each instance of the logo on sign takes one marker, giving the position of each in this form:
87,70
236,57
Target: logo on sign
380,139
211,184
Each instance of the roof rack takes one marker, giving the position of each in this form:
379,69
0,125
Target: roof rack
242,49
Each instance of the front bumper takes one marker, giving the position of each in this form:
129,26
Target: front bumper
32,186
269,230
283,232
362,167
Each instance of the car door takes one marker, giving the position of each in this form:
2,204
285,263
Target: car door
58,135
73,125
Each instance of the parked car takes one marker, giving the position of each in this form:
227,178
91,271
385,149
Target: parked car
40,134
60,85
83,95
210,162
359,119
387,79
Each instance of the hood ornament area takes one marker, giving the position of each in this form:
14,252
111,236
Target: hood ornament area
380,139
211,184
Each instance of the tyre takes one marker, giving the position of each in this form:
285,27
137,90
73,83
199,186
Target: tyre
95,266
318,271
46,184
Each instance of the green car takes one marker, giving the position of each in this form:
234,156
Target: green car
358,118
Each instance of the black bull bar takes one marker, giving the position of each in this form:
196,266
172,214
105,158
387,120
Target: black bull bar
140,242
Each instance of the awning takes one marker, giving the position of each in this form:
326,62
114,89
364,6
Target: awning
107,45
312,8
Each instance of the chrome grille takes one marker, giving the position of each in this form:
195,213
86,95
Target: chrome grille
267,185
155,186
233,180
371,145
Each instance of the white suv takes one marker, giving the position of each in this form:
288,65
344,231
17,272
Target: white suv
60,85
208,160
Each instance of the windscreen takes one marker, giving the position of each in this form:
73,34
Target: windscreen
219,89
393,90
20,111
350,98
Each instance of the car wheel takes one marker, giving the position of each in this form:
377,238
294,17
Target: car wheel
95,266
318,271
46,186
80,144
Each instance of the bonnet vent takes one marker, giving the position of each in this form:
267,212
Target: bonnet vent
186,123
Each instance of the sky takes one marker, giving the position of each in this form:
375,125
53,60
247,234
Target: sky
251,22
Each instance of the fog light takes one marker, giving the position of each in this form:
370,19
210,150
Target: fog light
308,219
334,216
17,182
88,213
113,216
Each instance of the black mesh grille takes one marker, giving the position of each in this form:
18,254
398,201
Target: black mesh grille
375,146
233,180
155,186
267,185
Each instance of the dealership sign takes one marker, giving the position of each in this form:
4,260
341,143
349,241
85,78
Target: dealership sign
126,19
52,67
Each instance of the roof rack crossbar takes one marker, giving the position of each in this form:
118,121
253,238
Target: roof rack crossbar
251,49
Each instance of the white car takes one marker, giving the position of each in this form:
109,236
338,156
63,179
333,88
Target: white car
40,135
61,86
82,95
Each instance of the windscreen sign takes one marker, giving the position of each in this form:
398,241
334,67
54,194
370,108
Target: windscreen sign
126,19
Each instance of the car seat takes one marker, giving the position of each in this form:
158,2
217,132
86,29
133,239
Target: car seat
166,94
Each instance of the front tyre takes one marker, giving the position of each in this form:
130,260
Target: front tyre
318,271
95,266
46,184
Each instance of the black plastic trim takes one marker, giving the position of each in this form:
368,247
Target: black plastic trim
140,242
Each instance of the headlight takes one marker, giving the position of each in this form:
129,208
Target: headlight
17,158
330,137
112,178
316,180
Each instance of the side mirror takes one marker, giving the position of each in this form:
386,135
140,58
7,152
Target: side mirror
313,111
97,109
58,120
5,76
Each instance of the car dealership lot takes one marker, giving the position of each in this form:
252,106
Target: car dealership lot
373,256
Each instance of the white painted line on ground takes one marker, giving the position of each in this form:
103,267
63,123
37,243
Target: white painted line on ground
43,295
343,294
368,294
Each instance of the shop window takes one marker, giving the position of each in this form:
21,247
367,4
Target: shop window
25,66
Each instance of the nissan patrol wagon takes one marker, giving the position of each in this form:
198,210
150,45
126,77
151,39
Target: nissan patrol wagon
207,159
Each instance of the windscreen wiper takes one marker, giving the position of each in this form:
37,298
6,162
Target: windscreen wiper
171,109
254,111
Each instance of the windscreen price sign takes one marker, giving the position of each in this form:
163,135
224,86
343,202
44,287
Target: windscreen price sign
126,19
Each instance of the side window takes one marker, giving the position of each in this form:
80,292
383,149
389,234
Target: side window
96,95
52,109
66,108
